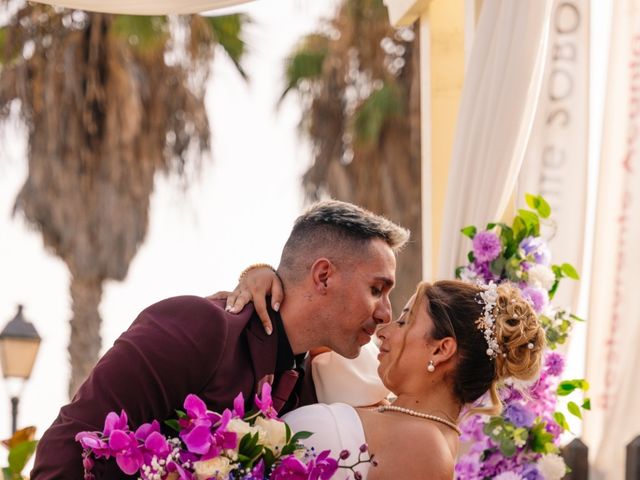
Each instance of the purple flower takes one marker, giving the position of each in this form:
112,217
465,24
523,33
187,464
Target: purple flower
238,406
92,441
530,472
323,467
125,448
553,428
265,403
554,363
290,468
519,415
538,298
537,248
467,469
483,270
115,422
486,246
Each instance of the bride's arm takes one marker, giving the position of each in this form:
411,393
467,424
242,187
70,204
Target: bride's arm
256,283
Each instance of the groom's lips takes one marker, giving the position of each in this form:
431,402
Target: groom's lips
369,331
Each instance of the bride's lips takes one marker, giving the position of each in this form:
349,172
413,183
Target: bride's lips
382,352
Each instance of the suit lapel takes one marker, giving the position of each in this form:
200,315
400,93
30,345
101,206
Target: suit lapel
263,349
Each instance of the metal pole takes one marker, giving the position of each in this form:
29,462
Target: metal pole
14,414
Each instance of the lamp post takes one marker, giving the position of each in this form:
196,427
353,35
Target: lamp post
19,344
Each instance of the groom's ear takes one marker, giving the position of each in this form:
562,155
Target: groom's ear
321,272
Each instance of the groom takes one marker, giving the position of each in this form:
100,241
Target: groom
337,268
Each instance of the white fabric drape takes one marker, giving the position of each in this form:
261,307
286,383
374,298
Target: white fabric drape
498,104
144,7
613,356
555,163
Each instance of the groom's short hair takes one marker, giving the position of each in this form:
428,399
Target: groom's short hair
339,231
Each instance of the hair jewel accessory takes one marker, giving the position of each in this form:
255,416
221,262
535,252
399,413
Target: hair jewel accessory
487,322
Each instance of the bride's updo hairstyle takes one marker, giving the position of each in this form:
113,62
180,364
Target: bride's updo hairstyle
456,309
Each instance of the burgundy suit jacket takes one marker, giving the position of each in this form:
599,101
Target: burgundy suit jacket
178,346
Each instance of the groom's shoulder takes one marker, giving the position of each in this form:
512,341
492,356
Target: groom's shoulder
190,311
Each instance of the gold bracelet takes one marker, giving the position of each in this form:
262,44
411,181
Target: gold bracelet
253,267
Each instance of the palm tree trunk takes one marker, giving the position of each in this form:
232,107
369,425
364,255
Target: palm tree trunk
85,342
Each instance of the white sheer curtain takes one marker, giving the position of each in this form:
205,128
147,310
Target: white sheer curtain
144,7
613,325
499,99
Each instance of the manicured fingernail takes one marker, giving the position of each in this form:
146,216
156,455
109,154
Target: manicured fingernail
276,307
228,308
269,330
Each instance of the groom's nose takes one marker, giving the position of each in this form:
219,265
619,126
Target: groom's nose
383,310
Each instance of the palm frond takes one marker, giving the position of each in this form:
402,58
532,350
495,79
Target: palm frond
143,33
306,62
377,109
227,33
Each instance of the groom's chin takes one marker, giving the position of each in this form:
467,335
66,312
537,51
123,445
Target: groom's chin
353,352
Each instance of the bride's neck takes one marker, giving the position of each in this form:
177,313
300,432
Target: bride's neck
437,401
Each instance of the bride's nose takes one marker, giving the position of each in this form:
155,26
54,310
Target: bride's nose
381,331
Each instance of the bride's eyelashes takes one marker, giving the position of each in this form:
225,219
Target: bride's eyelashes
401,320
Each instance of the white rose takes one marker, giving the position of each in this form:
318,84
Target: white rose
552,466
541,276
241,427
217,467
276,433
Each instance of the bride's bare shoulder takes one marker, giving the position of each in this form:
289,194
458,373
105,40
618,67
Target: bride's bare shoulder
414,452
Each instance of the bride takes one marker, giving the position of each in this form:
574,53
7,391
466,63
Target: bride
452,343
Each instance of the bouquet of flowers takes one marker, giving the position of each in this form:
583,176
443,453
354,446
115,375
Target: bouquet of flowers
210,445
522,442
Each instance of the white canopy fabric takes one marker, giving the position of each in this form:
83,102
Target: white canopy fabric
144,7
499,98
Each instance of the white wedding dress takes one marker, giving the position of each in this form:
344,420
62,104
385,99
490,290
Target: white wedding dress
335,427
341,384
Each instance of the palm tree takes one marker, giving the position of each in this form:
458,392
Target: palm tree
358,80
108,101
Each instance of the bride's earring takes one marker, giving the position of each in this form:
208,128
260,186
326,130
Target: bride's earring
431,367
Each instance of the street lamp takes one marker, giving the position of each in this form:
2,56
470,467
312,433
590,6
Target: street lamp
19,344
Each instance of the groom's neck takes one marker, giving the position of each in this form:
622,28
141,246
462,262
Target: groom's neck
297,325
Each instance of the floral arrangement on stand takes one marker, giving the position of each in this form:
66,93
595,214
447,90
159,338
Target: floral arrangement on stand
209,445
522,442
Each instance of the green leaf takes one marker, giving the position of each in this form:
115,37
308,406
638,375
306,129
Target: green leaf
508,447
173,424
569,271
574,409
532,200
586,404
576,318
543,208
561,420
227,30
471,257
498,265
565,388
300,436
490,226
469,231
20,455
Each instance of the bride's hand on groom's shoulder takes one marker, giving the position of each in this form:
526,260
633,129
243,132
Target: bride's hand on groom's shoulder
255,284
